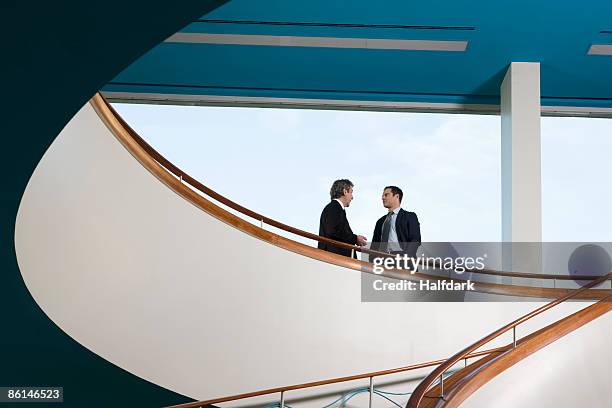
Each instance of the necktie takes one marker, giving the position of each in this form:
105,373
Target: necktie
386,229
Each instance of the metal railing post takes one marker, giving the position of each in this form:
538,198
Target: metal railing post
282,399
514,337
371,391
442,385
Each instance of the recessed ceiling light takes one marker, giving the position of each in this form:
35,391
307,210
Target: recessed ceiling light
600,49
321,42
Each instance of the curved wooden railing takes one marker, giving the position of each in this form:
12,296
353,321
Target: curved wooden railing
188,187
224,200
418,395
282,390
466,382
490,363
184,185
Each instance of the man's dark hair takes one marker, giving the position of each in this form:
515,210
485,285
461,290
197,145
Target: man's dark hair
337,189
395,191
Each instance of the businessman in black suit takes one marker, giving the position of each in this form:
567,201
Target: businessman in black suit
399,231
334,224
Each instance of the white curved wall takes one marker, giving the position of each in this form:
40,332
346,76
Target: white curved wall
574,371
137,275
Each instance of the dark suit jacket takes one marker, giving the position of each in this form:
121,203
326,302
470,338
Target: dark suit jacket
334,225
408,232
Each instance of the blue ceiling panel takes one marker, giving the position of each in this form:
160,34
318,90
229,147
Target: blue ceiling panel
556,34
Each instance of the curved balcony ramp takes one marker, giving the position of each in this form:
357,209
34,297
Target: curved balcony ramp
452,390
159,166
187,300
582,357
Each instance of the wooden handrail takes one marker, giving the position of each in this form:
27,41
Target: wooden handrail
531,275
180,174
470,355
476,375
423,387
119,129
226,201
324,382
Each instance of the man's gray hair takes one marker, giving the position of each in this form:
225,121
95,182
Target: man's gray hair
337,189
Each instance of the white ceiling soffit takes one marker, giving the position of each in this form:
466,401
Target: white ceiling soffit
600,49
321,42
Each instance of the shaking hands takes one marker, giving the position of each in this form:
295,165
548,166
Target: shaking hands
361,240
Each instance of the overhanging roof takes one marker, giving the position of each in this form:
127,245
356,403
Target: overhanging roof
391,55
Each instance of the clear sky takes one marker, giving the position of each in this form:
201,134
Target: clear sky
281,163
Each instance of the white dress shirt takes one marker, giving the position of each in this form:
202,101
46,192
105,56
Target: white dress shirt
393,245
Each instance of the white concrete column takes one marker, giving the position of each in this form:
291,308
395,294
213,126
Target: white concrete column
521,167
520,151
